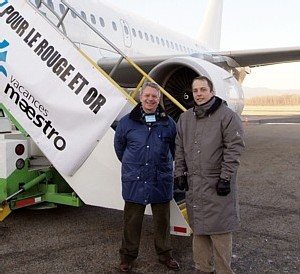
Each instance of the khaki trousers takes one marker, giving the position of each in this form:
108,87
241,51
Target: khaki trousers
213,252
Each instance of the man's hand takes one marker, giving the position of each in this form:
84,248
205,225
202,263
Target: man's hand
181,182
223,187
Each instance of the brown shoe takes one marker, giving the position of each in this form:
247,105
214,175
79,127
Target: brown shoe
171,263
125,267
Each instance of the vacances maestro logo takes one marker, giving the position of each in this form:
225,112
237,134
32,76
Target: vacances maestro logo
34,110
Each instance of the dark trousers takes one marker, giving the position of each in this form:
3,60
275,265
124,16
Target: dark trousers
133,220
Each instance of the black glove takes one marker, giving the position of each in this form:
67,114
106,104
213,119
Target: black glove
223,187
181,182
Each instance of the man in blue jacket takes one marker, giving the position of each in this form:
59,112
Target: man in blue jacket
145,143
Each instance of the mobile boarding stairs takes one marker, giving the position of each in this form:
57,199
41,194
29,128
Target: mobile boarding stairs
28,178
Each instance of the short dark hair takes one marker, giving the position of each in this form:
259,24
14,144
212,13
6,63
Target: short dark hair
209,82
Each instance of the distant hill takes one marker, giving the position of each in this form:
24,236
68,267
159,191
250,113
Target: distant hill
255,92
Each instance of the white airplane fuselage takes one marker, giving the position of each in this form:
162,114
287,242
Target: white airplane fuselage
136,37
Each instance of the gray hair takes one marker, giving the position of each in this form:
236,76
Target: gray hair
152,85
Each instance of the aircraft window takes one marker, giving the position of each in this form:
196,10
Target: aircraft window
50,4
146,36
152,38
168,44
83,15
162,42
172,45
133,32
37,2
73,14
126,30
180,47
101,22
114,25
184,48
93,19
157,40
62,8
140,34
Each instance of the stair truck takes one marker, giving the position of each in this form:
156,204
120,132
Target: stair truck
56,110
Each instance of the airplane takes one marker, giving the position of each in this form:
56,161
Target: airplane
171,59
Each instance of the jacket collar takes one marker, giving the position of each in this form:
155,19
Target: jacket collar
137,114
201,111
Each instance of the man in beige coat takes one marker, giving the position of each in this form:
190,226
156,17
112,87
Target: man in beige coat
209,143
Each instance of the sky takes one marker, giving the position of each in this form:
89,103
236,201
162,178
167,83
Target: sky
247,24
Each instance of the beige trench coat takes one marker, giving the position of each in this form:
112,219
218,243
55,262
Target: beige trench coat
207,149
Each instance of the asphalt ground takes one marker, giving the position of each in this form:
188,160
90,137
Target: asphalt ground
87,239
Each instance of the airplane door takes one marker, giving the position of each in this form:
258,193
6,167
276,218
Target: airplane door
126,33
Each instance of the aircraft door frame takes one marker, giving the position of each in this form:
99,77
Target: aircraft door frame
127,39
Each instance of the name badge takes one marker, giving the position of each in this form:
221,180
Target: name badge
150,118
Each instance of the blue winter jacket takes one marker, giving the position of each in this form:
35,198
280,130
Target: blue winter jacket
146,153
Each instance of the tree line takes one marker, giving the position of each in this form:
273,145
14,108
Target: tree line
293,99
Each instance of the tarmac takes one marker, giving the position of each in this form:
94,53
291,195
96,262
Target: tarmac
87,239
